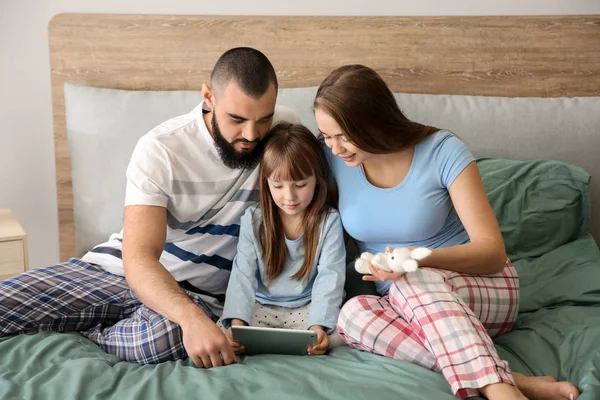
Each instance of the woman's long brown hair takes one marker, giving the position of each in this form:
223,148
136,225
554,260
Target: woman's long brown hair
364,107
292,153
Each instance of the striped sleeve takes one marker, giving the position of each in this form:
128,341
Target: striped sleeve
148,175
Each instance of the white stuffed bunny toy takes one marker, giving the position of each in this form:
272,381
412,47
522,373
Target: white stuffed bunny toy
401,259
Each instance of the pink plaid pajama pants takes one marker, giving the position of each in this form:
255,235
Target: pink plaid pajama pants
441,320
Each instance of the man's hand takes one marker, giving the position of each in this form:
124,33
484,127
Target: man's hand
237,347
322,341
144,235
205,343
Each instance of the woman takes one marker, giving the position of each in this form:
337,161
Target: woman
404,184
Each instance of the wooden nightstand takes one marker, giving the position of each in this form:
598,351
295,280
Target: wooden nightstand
13,246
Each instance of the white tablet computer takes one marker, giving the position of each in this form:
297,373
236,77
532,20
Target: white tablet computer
259,340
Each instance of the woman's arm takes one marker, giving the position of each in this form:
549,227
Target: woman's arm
485,254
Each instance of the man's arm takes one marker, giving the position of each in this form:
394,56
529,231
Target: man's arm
144,236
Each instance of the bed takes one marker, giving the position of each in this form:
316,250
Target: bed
522,92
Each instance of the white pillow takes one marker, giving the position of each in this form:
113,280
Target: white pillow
103,126
300,100
562,129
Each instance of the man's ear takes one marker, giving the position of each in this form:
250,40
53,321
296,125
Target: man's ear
208,95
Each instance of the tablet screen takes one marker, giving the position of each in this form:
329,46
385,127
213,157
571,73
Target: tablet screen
259,340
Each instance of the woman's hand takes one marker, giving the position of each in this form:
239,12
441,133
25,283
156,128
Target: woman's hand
378,275
382,276
322,341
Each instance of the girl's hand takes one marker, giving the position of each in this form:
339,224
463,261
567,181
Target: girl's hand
237,347
382,276
237,322
322,341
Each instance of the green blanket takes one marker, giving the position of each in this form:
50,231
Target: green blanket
558,329
557,333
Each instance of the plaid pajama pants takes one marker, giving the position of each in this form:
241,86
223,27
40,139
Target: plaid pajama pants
77,296
441,320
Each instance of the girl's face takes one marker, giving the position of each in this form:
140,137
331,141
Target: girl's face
292,197
336,140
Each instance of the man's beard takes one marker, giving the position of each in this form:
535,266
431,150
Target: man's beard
231,157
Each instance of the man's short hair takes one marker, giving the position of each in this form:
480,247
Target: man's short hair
248,67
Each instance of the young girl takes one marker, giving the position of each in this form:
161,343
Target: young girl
289,270
404,184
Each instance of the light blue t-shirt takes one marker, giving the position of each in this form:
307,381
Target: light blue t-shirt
323,290
417,212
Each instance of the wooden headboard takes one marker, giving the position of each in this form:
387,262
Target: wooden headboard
550,56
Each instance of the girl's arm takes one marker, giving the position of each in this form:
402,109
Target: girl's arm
328,287
241,290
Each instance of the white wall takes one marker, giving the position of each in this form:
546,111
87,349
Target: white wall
27,180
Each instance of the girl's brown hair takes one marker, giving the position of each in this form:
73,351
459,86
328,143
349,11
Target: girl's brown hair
364,107
292,153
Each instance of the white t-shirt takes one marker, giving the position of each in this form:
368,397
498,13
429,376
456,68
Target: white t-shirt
177,166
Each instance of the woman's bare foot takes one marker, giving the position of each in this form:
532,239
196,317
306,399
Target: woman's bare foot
545,388
502,391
